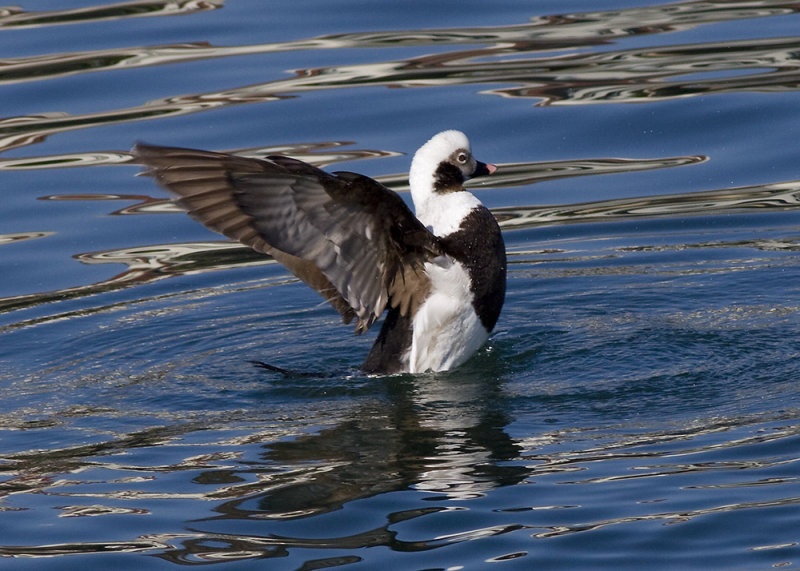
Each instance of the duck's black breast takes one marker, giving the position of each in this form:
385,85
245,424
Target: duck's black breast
478,245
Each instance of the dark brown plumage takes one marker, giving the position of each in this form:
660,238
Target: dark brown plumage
345,235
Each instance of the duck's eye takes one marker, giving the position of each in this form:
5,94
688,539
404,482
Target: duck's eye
462,158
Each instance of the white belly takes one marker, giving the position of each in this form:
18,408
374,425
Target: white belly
446,330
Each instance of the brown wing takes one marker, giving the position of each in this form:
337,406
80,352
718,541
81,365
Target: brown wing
345,235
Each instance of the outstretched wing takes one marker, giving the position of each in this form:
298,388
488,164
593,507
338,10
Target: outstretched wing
344,234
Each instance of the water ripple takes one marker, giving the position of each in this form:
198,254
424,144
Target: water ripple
14,17
643,374
776,196
146,264
583,77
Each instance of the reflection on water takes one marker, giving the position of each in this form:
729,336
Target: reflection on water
18,236
146,264
318,153
15,17
452,446
635,394
159,261
568,76
65,161
775,197
421,435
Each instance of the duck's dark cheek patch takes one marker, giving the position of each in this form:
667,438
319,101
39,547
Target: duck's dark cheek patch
448,178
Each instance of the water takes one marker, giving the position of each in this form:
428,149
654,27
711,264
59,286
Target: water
637,406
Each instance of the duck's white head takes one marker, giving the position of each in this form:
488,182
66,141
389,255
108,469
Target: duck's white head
438,172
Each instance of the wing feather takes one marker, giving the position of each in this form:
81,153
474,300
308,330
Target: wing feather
344,234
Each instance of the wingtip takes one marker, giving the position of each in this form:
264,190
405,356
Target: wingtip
141,150
140,153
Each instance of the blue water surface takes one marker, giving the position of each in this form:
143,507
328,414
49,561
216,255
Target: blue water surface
636,407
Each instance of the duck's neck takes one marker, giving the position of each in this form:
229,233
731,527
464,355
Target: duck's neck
442,214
